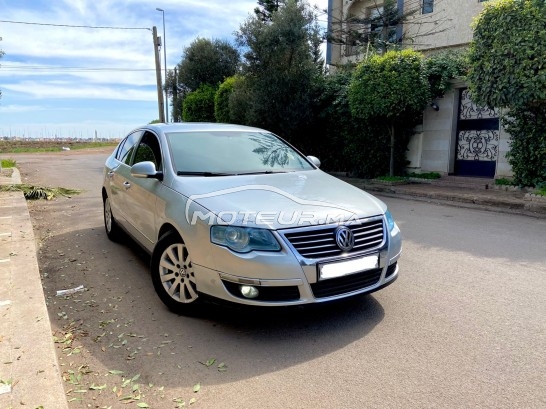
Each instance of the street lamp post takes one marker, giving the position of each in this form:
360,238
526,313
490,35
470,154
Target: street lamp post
165,66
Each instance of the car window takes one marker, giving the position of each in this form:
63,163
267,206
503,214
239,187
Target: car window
233,152
148,150
127,146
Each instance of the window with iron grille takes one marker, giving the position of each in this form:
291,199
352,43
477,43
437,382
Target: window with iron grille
428,6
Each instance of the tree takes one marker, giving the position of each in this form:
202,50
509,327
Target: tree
508,70
199,105
203,62
391,89
221,100
267,8
279,68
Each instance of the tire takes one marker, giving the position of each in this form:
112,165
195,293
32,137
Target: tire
173,275
110,224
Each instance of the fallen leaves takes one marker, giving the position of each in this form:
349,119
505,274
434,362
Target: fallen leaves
222,367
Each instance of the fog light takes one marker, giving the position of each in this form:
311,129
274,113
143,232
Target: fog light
249,291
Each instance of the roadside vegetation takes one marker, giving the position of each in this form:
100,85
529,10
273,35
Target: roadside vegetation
508,72
32,192
30,146
504,182
7,163
425,175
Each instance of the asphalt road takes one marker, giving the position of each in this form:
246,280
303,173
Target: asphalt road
463,326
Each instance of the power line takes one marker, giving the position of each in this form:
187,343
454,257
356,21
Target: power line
9,67
74,26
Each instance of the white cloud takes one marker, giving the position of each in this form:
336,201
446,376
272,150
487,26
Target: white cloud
9,109
55,90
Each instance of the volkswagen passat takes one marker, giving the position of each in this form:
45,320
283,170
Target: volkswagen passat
239,214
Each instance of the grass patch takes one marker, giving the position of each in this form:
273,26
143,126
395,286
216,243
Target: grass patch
32,192
31,146
541,189
392,178
504,182
7,163
425,175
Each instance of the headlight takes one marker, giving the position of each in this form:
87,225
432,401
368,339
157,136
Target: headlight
390,220
244,239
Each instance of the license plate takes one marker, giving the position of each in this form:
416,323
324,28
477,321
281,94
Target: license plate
344,268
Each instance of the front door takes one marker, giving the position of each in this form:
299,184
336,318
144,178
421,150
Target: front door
477,138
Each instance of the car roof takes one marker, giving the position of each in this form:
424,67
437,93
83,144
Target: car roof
198,126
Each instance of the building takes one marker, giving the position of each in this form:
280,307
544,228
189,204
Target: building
456,136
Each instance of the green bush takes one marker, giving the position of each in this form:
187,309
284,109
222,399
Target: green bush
221,100
425,175
8,163
508,71
504,182
441,68
541,189
198,105
527,155
388,178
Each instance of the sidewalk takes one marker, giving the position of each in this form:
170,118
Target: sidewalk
461,192
29,371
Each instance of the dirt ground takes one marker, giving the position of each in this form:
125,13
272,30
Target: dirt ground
97,340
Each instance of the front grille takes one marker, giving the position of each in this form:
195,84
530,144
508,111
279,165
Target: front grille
281,293
346,284
321,242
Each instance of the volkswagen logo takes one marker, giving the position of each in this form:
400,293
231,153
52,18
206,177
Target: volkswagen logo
345,238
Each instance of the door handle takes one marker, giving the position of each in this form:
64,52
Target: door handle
111,174
126,184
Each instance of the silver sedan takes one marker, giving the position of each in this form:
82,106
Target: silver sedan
238,214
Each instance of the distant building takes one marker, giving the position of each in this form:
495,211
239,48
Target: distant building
456,137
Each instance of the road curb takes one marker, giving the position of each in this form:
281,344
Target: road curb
28,366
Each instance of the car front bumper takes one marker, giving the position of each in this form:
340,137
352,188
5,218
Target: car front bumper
286,278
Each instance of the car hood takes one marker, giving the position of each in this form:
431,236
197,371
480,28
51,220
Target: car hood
277,201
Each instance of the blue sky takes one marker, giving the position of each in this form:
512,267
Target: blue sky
71,82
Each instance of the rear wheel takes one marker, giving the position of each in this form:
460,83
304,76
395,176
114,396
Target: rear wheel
110,224
173,275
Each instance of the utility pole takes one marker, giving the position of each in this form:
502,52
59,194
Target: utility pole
164,45
160,102
175,97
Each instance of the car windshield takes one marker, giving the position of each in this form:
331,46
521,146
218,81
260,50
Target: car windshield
218,153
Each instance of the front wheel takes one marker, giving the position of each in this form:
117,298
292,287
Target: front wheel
173,275
110,224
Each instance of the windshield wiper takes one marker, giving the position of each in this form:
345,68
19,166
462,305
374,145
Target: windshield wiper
188,173
265,172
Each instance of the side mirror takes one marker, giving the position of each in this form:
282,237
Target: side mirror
146,170
314,160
